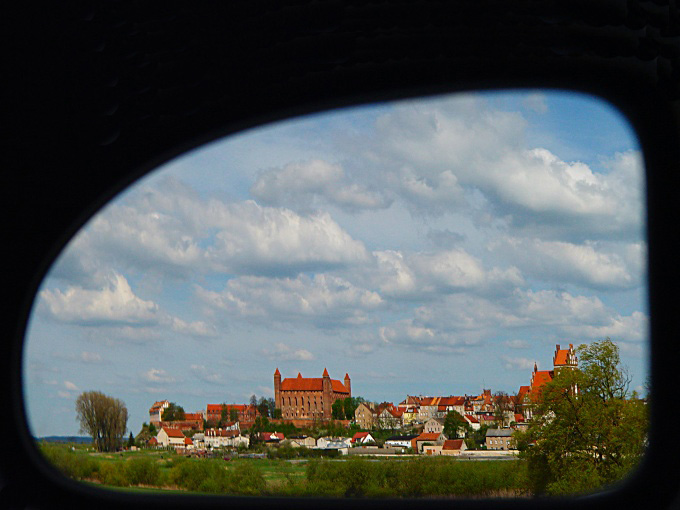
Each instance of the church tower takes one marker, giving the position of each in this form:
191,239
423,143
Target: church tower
277,389
326,386
348,384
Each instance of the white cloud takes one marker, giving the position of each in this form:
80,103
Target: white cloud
309,184
64,394
195,328
70,386
512,363
90,357
536,102
321,300
516,344
207,375
283,352
158,375
594,265
113,304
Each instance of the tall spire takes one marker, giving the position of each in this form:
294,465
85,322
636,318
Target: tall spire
325,373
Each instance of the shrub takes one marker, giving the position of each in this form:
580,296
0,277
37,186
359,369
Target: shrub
247,479
143,471
71,464
113,473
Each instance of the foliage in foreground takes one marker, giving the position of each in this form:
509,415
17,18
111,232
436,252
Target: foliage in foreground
354,477
587,431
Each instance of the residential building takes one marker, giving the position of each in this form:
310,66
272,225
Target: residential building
361,438
170,437
301,441
156,412
432,438
499,439
332,443
400,441
435,425
221,438
453,447
304,398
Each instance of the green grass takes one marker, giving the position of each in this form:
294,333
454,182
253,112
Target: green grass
160,471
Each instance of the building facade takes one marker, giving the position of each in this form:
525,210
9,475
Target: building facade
305,398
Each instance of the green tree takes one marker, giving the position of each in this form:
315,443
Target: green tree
587,431
104,418
455,425
350,405
338,410
502,405
131,441
173,413
263,407
233,415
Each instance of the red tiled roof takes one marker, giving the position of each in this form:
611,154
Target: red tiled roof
519,418
452,444
428,436
153,441
193,416
325,373
311,384
268,436
173,432
277,371
217,408
471,419
539,378
188,441
359,435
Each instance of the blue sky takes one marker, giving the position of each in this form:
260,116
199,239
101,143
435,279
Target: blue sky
435,247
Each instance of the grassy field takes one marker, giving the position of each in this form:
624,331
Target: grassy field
165,471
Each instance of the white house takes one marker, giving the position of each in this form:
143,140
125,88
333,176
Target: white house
400,441
170,437
361,438
220,438
332,443
434,425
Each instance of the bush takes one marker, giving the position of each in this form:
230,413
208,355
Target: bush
201,475
71,464
143,471
113,473
247,479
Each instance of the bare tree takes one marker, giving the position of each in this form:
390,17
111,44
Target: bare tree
502,406
102,417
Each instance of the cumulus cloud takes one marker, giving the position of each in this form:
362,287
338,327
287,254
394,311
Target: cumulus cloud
421,274
516,344
282,351
158,375
70,386
512,363
430,153
207,374
322,300
115,304
313,183
590,264
195,328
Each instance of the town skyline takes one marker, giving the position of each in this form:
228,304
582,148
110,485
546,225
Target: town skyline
437,246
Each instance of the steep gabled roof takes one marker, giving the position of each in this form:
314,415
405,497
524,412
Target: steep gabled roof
173,432
452,444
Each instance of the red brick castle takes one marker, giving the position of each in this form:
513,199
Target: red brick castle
307,398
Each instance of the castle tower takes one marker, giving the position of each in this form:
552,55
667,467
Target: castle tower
348,384
327,392
277,389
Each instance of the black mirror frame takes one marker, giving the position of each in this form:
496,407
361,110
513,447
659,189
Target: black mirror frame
100,94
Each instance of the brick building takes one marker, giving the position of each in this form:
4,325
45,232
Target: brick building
309,398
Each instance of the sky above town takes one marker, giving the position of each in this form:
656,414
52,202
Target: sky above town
436,246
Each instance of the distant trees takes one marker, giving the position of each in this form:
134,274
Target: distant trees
587,430
455,425
344,408
173,413
102,417
503,405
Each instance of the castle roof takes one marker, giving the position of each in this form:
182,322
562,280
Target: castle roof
300,383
